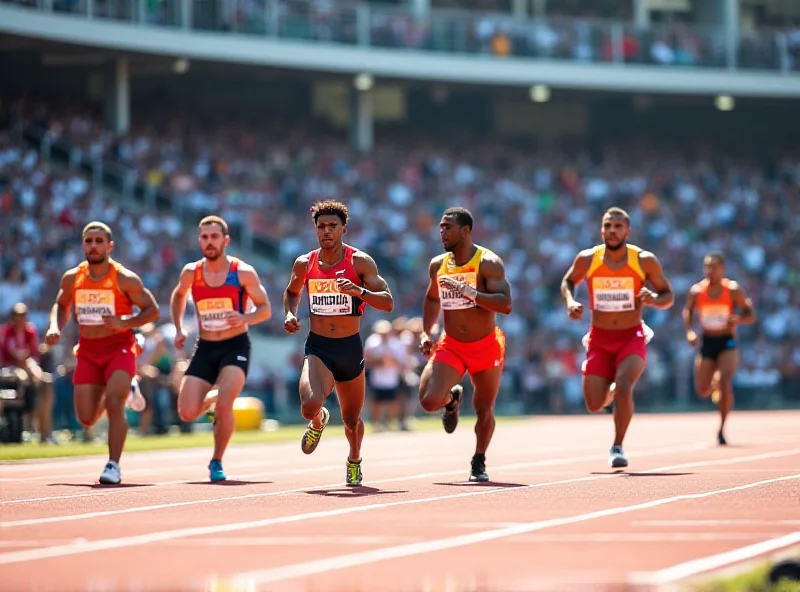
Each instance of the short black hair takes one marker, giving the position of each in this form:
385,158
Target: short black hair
614,212
463,216
720,258
330,208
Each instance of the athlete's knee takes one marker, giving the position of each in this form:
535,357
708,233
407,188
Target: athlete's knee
86,417
703,389
188,410
309,408
351,421
431,402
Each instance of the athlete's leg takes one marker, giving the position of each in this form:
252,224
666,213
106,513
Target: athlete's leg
89,399
595,392
704,369
231,382
351,400
316,383
727,363
118,389
192,397
436,384
487,386
628,372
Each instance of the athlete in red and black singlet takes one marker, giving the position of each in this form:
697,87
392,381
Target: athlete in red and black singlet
340,281
323,297
213,301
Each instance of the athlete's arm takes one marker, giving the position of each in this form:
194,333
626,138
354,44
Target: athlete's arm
294,290
59,315
376,291
133,287
497,297
688,311
688,316
574,276
747,313
177,300
431,305
248,278
663,297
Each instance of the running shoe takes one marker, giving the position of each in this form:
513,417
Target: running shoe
215,472
451,410
312,435
136,400
616,458
111,474
478,472
354,474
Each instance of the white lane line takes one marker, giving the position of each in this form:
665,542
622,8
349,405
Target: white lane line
308,568
122,542
279,541
705,564
515,466
743,522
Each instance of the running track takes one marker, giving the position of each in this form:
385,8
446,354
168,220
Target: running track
554,516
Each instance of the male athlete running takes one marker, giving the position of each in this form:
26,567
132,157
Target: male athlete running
469,284
221,287
616,345
717,299
103,293
340,280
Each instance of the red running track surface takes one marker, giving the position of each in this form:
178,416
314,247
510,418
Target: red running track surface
554,516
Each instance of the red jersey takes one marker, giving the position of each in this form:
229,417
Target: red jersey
715,313
95,299
323,297
213,302
614,290
11,340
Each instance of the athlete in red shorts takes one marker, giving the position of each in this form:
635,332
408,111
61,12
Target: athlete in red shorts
469,284
102,293
616,345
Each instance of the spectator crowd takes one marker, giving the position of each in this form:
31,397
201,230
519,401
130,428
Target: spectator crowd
535,211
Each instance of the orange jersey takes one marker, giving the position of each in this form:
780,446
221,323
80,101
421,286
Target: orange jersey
95,299
614,290
714,312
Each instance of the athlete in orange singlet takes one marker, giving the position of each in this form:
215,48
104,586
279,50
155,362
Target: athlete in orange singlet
716,299
469,284
103,293
616,273
221,287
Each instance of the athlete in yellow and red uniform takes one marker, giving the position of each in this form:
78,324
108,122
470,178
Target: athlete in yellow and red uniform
716,299
468,283
616,353
102,293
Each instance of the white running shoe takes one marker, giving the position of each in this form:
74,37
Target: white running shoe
136,399
616,458
111,474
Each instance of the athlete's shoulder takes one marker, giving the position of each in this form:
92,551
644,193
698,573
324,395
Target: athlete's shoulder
437,260
591,252
489,256
243,266
699,287
730,284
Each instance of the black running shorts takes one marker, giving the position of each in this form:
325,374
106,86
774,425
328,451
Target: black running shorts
343,356
713,345
210,357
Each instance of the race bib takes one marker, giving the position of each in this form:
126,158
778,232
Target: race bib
92,305
613,294
325,299
714,317
450,300
212,313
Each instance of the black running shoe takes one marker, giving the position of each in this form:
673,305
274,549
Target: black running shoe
450,413
721,439
478,472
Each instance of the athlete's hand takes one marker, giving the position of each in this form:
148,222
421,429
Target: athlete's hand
52,336
114,323
575,309
291,324
425,344
646,295
180,340
691,337
234,318
345,286
733,321
451,284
